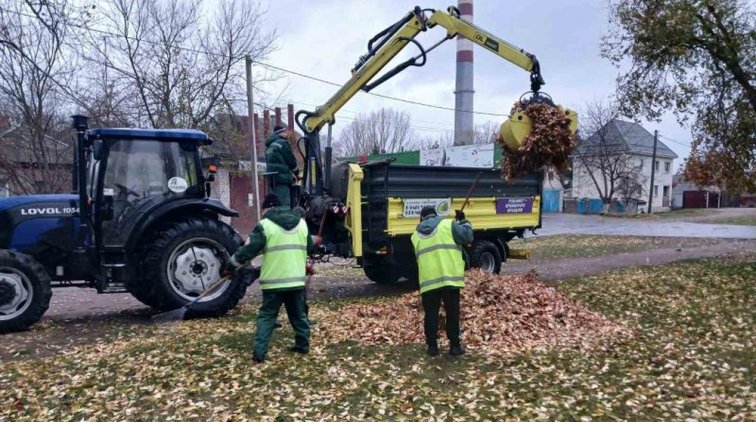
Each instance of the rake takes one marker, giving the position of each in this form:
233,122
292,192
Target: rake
180,313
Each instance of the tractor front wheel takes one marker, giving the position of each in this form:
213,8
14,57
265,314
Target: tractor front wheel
186,258
24,291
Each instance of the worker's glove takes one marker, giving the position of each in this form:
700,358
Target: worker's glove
459,215
229,269
309,270
317,240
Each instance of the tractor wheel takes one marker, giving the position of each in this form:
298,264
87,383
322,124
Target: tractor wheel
485,255
185,258
24,291
142,291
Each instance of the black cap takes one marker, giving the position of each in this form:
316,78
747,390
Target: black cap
426,211
271,200
279,128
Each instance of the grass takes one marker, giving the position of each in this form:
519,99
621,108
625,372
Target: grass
680,214
692,357
570,246
742,220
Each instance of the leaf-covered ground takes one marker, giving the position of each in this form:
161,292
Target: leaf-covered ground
692,356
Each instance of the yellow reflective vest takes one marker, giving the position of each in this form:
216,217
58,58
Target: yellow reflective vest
439,258
284,256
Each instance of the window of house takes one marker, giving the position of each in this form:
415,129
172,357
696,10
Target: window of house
666,191
667,166
657,166
640,164
656,188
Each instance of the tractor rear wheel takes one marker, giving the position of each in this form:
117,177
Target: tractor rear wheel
24,291
184,259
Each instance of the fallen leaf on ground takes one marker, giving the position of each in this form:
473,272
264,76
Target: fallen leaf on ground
499,314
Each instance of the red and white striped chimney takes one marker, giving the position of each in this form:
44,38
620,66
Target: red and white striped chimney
463,116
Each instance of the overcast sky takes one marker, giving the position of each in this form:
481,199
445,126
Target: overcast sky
324,39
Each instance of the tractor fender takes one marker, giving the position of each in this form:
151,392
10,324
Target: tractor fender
183,207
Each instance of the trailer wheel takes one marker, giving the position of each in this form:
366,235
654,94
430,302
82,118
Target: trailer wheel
24,291
382,272
485,255
184,259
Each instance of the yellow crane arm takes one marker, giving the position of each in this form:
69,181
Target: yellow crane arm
390,42
455,25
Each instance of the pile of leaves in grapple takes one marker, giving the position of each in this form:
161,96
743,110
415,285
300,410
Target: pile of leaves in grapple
550,142
500,314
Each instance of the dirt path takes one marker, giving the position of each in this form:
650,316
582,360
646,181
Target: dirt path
79,316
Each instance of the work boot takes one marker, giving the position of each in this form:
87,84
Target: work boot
258,358
299,349
456,349
432,349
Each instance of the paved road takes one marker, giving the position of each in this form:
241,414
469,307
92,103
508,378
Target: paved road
594,224
579,266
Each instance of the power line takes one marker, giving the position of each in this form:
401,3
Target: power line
681,143
268,65
388,97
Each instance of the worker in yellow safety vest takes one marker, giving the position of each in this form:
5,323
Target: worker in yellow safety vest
438,244
283,238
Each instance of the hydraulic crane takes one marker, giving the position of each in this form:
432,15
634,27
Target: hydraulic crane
366,211
382,48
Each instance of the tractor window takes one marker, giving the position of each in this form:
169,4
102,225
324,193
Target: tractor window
142,174
138,170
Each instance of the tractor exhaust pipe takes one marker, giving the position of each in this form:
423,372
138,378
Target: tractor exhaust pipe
80,169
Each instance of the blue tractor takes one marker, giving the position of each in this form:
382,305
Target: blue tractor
141,222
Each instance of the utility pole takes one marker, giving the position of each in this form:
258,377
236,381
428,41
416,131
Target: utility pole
653,171
252,140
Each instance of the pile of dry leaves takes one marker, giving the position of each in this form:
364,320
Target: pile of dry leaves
550,142
500,314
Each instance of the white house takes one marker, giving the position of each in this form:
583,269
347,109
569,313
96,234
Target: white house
635,144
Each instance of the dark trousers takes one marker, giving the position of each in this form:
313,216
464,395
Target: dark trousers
295,303
431,304
283,192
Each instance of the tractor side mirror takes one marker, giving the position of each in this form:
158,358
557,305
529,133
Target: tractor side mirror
106,210
211,164
211,170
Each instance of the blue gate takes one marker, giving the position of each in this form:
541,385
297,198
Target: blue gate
551,200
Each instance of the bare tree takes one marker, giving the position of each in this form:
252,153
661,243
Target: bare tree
446,139
382,131
602,158
170,67
629,187
34,154
486,133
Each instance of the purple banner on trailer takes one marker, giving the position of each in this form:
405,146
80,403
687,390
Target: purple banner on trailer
514,205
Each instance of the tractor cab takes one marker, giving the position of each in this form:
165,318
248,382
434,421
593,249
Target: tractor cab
133,171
